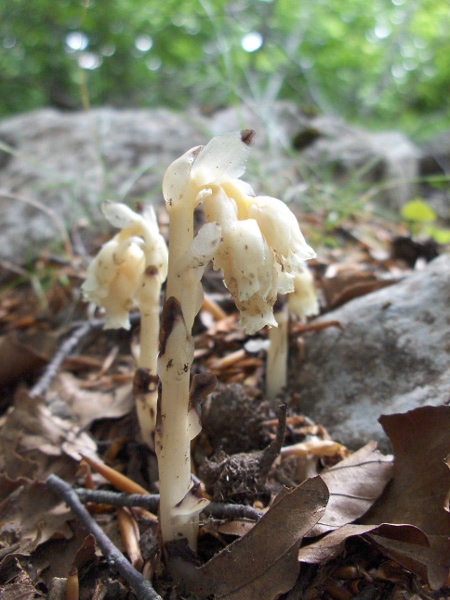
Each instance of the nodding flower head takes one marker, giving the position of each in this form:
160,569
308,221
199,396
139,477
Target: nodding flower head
115,279
261,246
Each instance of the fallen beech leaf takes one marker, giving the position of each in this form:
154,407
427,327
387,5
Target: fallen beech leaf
263,563
237,528
354,283
15,582
21,353
30,515
332,544
354,485
429,560
57,556
418,493
32,434
87,405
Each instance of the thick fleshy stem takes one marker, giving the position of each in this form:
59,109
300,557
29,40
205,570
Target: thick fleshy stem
146,400
277,353
178,422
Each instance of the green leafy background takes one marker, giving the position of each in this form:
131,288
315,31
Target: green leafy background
380,63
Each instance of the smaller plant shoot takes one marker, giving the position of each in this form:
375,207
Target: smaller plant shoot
128,272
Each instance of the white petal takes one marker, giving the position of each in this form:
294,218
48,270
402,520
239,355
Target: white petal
255,315
281,230
222,159
202,249
177,178
113,279
120,215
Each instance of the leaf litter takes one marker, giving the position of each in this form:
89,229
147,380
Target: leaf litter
334,523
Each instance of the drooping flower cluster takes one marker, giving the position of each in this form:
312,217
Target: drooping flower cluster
261,245
115,279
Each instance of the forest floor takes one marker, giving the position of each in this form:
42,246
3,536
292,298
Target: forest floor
67,411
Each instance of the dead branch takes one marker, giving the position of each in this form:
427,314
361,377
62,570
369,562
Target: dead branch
79,332
142,587
217,510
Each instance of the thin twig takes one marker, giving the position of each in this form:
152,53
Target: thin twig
80,331
147,501
272,451
51,370
216,510
141,586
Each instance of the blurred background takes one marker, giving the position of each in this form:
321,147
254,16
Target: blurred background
380,64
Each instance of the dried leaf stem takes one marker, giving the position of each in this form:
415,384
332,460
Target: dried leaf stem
141,586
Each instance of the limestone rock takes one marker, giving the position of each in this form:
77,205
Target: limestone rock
390,156
62,166
392,356
57,167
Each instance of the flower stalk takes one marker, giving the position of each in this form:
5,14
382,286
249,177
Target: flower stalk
303,303
257,243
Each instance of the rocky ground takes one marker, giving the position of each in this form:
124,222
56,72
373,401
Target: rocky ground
351,520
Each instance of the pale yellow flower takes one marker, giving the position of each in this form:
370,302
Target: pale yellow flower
261,245
115,277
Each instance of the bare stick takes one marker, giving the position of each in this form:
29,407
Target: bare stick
63,352
79,332
150,502
270,453
141,586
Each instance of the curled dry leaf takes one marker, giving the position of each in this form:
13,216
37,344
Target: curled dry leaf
410,523
23,352
418,494
33,438
264,563
354,485
30,515
16,583
89,405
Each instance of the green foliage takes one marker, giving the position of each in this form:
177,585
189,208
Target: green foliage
418,211
422,220
386,59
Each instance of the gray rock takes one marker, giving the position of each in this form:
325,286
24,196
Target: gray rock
393,356
63,165
56,167
378,156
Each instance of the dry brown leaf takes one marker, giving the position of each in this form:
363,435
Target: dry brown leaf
354,283
429,559
31,434
263,563
58,556
15,582
354,485
23,352
418,493
236,527
30,515
331,545
87,405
